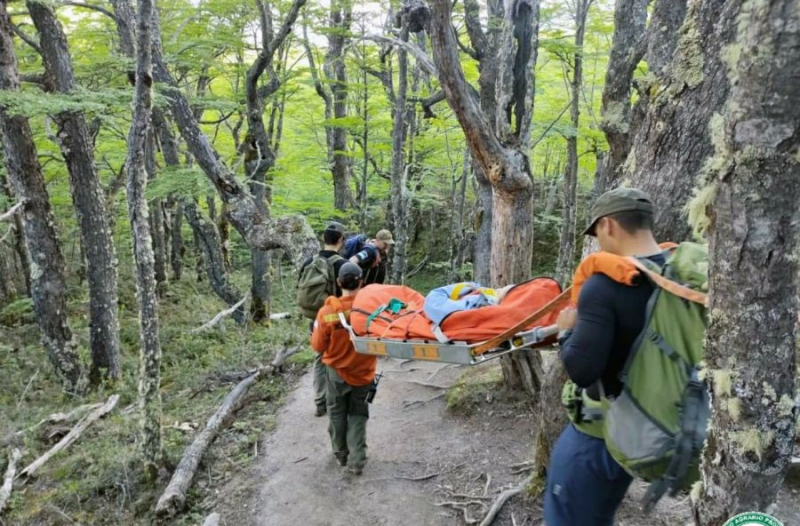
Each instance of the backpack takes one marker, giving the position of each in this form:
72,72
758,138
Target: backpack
656,427
354,244
317,282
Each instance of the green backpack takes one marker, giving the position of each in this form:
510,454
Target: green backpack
317,282
656,427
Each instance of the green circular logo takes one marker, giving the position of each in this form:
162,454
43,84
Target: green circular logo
753,518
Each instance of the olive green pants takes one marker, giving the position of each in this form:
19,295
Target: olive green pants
320,381
348,412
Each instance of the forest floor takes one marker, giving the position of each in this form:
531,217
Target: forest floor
427,446
272,465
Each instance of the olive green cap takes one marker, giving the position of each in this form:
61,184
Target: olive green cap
616,201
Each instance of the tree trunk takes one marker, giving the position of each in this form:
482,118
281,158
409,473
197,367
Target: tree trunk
178,250
552,419
673,143
753,212
8,289
156,219
566,252
627,49
341,16
47,262
209,239
399,177
88,197
20,249
150,355
500,151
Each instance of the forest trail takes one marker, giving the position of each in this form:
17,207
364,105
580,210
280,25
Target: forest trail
295,480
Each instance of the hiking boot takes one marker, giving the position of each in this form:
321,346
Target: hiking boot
341,460
321,410
356,470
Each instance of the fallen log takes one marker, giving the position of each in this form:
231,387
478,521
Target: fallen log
72,436
8,480
173,499
221,316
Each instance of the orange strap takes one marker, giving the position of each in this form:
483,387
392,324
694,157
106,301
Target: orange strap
541,313
670,286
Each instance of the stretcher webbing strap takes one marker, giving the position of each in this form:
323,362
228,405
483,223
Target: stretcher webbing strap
394,306
670,286
554,304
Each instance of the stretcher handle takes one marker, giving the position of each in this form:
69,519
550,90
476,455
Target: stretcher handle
554,304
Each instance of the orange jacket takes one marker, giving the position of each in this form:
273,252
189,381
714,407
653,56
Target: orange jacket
333,342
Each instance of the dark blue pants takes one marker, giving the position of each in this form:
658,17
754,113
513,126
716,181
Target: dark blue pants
585,485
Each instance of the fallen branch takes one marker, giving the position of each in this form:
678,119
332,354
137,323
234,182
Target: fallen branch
8,214
72,436
55,418
174,497
8,480
284,354
221,316
503,498
212,520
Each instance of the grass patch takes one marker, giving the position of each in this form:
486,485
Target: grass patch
474,388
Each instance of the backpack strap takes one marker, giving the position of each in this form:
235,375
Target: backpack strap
670,286
331,261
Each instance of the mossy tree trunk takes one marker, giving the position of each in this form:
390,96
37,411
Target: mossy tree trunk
48,289
77,147
150,345
753,197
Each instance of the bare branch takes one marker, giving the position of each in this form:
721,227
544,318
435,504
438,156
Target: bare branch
421,57
10,212
8,480
92,7
25,38
221,316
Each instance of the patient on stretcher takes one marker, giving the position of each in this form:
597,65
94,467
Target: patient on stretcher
462,312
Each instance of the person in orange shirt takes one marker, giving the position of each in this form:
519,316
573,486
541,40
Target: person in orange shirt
350,375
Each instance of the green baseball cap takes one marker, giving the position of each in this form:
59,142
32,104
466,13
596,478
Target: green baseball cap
333,226
619,200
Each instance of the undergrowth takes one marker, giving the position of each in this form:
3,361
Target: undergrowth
98,480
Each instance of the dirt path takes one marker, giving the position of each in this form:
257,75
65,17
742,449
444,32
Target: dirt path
296,482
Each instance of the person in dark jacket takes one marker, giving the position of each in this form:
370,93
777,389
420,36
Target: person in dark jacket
585,485
373,257
333,239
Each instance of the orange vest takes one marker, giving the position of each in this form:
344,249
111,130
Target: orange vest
333,342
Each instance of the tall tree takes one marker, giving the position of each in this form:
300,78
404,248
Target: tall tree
47,262
501,150
566,251
341,19
752,190
292,234
260,141
77,148
150,345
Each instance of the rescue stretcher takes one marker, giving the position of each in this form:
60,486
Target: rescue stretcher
463,353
